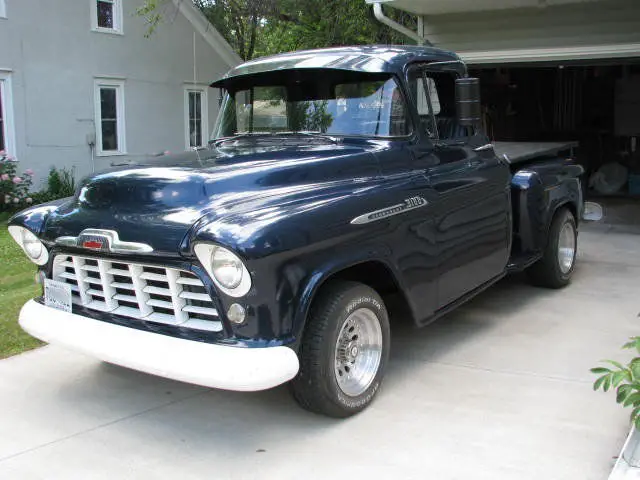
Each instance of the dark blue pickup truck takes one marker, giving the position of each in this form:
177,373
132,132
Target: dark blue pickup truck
335,180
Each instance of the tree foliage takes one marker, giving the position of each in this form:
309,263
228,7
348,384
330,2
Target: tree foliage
264,27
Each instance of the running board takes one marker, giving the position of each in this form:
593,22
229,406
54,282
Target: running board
464,299
520,262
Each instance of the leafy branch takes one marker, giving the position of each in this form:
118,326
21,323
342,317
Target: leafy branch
152,15
625,379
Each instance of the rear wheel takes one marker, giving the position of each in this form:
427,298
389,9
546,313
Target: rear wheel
556,266
344,350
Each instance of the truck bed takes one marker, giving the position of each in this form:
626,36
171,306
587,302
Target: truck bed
518,152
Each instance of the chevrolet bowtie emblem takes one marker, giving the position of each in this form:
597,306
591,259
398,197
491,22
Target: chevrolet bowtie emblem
92,244
103,241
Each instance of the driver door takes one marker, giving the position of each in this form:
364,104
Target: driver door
470,190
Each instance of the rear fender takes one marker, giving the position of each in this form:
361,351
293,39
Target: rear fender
537,193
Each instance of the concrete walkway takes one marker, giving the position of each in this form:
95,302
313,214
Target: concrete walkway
498,390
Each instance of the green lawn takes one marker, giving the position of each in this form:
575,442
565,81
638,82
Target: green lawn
16,287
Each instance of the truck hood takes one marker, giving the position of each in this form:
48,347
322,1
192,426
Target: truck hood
159,201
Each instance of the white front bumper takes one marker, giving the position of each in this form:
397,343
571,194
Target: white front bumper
209,365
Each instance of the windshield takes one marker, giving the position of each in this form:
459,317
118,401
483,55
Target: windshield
328,103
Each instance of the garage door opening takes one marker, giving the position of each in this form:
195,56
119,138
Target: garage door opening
596,105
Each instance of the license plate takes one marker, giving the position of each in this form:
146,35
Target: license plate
57,295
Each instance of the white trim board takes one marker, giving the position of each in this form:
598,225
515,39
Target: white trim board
117,18
592,52
3,9
119,85
204,112
9,123
208,32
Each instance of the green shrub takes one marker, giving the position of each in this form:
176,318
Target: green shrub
625,379
61,183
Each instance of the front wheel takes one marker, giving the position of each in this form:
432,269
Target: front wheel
344,350
556,266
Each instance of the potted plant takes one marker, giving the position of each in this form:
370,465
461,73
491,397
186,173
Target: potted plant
624,379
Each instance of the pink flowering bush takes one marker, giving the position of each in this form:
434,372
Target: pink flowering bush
14,188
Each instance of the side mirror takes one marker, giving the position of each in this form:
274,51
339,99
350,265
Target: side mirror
468,107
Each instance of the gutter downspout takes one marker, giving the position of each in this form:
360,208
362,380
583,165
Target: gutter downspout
380,16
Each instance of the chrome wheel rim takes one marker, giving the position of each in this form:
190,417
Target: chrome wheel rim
358,352
566,247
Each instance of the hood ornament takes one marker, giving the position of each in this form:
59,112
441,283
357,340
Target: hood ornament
103,241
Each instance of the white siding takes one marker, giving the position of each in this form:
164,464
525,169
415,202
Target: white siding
576,27
55,59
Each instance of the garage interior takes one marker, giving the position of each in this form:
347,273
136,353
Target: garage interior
597,105
550,70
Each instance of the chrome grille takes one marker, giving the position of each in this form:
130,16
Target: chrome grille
145,292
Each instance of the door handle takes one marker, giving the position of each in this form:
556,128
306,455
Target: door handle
484,148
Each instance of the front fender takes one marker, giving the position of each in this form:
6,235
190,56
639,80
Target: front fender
35,218
332,268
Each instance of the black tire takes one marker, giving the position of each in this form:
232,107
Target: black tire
548,272
316,386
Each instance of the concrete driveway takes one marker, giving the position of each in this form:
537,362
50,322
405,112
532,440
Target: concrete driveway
498,390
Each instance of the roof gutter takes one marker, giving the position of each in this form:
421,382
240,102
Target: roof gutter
382,18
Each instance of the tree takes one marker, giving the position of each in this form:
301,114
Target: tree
264,27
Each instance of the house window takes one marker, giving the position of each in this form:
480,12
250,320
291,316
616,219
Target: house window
3,142
7,133
106,15
196,115
110,128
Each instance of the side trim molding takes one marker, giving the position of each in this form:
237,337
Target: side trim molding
409,204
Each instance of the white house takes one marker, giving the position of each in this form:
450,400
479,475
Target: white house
81,86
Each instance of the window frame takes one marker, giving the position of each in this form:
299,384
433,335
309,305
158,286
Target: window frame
229,96
119,86
204,112
8,119
426,72
3,9
421,71
117,17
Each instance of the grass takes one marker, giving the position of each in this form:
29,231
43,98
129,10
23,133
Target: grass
16,287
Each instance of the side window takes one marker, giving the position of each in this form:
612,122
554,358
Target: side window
426,95
435,101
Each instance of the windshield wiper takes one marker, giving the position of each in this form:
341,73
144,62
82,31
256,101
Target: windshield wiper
218,141
310,133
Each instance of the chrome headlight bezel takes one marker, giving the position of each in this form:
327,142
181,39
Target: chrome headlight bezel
206,253
30,244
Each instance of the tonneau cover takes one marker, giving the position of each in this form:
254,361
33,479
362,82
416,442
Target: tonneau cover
517,152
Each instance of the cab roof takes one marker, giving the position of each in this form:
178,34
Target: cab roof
369,58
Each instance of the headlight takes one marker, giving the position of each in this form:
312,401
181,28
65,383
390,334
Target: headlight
225,268
30,244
